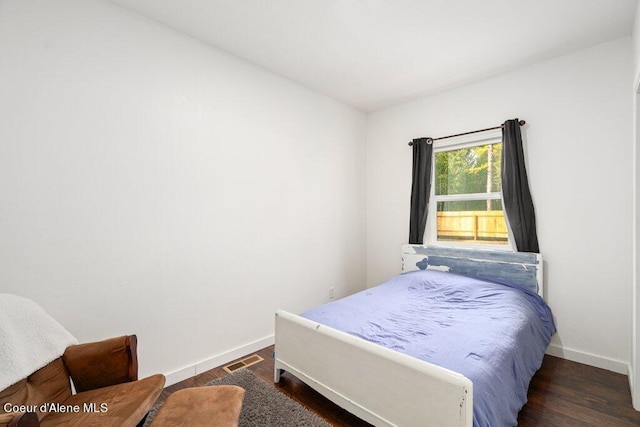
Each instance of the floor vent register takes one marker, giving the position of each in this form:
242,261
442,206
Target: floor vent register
240,364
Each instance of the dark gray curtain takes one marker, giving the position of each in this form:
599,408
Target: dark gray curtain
518,205
420,188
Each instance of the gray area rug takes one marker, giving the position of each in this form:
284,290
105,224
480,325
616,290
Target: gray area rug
264,406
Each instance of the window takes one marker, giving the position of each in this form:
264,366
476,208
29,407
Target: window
466,194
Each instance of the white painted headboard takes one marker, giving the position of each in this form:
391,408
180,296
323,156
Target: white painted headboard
522,268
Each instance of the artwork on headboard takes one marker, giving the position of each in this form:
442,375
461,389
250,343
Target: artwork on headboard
522,268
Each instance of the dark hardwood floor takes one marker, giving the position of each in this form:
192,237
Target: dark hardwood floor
562,393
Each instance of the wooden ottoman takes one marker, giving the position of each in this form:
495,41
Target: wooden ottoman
217,406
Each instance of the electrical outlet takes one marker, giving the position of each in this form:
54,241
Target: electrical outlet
332,292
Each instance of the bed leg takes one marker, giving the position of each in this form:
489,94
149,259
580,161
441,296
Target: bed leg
276,374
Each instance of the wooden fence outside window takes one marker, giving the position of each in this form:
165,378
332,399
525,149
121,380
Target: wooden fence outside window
488,226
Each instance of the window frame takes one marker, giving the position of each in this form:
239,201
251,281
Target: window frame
431,231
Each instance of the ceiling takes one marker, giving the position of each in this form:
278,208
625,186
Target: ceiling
372,54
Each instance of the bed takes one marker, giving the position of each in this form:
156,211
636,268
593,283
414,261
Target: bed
452,341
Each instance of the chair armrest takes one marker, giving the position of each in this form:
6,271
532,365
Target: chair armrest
103,363
24,419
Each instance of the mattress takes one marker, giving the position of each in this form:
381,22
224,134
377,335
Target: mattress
493,333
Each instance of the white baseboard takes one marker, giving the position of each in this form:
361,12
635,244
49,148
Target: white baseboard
233,354
217,360
635,398
630,378
179,375
617,366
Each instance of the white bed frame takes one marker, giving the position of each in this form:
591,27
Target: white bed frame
382,386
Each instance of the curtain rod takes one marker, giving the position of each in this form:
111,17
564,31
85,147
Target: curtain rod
520,122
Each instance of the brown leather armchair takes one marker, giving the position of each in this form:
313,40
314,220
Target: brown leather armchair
105,377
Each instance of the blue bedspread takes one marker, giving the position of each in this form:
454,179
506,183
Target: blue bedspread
494,334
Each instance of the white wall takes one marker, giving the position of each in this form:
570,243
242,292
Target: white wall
636,42
580,169
634,377
150,184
